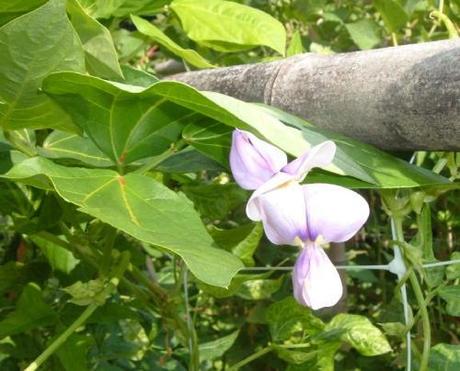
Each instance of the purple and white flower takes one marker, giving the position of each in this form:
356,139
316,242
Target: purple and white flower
307,216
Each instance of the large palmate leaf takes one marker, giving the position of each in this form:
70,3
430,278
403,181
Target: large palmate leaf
228,26
126,122
105,111
100,54
188,55
141,207
32,46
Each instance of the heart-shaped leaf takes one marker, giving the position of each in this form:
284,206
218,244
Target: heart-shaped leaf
142,208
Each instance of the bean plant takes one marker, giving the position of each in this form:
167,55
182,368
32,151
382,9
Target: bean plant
139,230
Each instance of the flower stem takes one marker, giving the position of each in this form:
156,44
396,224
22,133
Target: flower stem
426,327
62,338
425,321
251,358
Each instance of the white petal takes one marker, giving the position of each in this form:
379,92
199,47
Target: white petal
322,286
282,212
319,156
278,180
334,212
254,161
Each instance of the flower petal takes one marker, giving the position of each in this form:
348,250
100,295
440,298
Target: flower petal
254,161
277,181
334,212
316,281
282,212
318,156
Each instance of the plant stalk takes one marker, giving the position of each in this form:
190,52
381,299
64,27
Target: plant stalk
62,338
426,327
251,358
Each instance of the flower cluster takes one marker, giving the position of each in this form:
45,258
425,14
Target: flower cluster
304,215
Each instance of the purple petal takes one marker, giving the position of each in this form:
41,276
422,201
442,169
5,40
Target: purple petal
254,161
318,156
334,212
315,280
282,212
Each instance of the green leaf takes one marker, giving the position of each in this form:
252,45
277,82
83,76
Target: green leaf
453,271
362,161
123,134
259,289
59,258
451,294
134,76
73,353
287,317
86,293
188,160
245,249
142,208
31,312
234,287
73,146
44,41
126,122
216,348
215,201
393,14
14,8
210,138
228,26
295,356
123,8
189,55
100,54
241,241
364,33
360,333
445,357
295,47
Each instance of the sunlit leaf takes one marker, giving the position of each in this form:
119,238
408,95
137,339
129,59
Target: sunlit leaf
229,26
360,333
445,357
14,8
189,55
44,41
100,55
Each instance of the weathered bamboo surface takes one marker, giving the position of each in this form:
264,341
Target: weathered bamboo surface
399,98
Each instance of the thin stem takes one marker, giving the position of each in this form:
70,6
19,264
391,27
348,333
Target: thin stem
251,358
425,321
62,338
421,303
438,264
192,340
398,235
